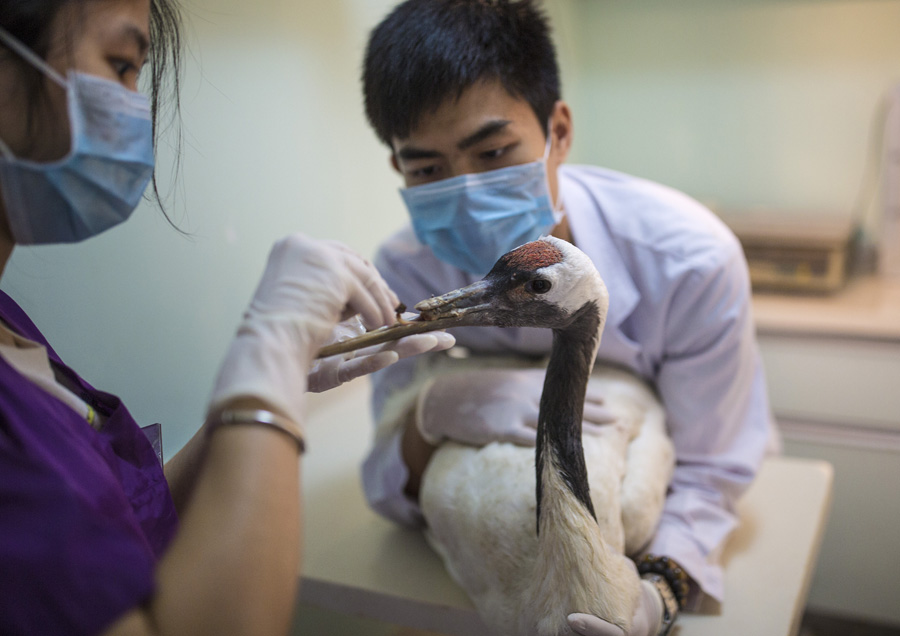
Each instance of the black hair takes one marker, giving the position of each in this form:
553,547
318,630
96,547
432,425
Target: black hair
30,21
426,51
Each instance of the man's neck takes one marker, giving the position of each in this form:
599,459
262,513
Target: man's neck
562,230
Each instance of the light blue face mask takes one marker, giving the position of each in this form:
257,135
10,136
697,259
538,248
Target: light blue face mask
471,220
99,183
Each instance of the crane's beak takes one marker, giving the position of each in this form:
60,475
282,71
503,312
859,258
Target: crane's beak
462,305
459,308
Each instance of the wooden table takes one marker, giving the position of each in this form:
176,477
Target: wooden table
358,563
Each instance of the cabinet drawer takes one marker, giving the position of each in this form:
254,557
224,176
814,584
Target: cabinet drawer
848,382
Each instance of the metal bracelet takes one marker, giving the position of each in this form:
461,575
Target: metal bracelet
260,417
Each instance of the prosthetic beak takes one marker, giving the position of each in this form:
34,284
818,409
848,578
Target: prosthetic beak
462,307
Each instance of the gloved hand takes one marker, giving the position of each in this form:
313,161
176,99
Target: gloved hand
647,621
486,405
307,287
333,371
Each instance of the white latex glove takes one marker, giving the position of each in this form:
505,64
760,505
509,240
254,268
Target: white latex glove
333,371
486,405
647,621
307,287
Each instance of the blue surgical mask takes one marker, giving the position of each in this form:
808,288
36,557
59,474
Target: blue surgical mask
471,220
99,183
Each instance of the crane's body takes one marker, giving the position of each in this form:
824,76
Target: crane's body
533,535
480,506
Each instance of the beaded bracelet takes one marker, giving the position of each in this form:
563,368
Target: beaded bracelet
259,417
674,575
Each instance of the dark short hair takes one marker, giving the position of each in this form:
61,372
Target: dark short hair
426,51
30,21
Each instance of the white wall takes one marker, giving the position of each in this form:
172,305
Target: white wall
275,142
742,103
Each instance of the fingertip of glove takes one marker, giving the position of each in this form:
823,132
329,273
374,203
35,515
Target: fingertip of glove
444,340
577,621
387,357
586,624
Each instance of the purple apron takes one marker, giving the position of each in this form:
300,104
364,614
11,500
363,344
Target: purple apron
84,514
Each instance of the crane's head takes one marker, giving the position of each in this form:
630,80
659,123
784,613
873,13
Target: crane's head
545,283
540,284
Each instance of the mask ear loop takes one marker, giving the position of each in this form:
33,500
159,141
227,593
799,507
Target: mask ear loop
556,209
549,140
32,58
35,60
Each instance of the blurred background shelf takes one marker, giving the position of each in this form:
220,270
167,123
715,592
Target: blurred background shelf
833,369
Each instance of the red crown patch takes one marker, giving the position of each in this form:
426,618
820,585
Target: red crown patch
534,255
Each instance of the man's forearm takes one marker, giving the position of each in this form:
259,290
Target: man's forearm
416,453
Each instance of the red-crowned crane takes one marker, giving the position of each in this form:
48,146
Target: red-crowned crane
534,535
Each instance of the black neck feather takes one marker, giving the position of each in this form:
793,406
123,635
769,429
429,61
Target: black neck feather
562,403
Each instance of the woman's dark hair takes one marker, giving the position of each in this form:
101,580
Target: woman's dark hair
29,21
425,51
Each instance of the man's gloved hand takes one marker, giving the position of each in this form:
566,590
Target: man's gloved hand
307,287
331,372
647,621
487,405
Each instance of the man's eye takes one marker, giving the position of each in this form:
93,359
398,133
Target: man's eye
422,173
496,153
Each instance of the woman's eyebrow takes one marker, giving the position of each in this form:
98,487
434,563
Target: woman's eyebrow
136,36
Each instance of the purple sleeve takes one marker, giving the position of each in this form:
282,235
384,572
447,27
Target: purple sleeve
66,567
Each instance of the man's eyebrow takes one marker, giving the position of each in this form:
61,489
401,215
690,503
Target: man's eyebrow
410,153
487,130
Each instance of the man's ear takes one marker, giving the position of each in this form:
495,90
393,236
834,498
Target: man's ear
561,131
394,164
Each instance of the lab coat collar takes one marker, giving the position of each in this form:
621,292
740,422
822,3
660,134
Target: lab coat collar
592,234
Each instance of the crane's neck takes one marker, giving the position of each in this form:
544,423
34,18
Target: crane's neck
562,404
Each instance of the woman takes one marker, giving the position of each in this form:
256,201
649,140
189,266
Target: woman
96,536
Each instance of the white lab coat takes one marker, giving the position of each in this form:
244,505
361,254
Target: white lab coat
679,316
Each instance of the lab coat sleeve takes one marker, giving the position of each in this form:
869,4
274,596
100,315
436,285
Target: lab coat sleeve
712,385
384,473
384,478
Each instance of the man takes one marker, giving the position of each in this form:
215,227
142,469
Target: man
466,95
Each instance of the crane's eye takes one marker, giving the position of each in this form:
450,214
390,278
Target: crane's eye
538,286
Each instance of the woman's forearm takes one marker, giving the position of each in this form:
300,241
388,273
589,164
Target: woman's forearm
184,467
234,566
